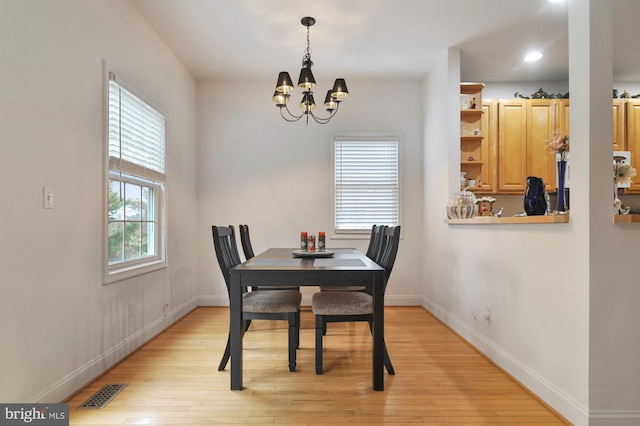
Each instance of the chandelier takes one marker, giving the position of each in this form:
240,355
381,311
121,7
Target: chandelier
307,82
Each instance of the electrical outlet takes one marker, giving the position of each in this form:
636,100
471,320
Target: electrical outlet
47,197
487,313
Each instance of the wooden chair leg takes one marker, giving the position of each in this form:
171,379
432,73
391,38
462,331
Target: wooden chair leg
320,324
294,330
298,330
387,359
226,356
227,351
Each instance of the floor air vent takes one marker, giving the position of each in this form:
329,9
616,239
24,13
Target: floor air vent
103,396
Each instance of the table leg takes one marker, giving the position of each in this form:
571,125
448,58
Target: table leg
378,332
235,330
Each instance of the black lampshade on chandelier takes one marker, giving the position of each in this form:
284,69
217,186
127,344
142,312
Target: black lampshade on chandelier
307,82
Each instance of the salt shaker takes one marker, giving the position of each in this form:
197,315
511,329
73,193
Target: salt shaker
311,243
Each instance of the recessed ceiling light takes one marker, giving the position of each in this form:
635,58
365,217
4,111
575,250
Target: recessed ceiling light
533,56
556,1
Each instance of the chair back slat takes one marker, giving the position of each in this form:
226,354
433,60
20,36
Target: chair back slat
375,242
391,241
245,240
224,241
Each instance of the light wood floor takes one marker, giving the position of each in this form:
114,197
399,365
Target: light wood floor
440,380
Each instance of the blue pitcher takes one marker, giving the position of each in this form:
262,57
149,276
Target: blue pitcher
535,202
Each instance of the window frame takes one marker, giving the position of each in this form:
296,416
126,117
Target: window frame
121,170
364,233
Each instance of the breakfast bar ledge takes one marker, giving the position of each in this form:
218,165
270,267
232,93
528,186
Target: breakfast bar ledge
492,220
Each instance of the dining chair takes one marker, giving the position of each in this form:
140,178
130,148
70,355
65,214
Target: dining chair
245,241
373,251
375,241
350,306
257,305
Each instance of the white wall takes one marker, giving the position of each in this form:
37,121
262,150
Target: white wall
60,326
275,176
614,347
498,90
564,297
533,276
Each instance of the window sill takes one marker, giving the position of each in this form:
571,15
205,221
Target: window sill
133,271
491,220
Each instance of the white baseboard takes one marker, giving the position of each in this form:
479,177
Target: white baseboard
543,389
213,300
79,378
390,300
614,418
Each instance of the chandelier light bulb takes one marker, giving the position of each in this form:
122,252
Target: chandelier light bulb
284,84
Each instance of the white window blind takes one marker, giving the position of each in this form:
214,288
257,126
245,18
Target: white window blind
136,135
367,192
134,238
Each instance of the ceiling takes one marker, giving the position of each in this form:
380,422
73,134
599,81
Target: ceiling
379,39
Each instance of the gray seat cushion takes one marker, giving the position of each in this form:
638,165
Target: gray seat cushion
342,303
271,301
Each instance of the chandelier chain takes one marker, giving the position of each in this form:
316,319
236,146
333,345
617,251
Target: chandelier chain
307,55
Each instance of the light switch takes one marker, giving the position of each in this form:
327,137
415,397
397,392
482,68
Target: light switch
47,197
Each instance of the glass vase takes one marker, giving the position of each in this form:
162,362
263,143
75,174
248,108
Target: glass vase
561,202
616,201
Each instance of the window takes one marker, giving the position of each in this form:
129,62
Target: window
366,183
135,220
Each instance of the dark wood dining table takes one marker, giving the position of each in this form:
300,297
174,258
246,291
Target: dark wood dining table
278,267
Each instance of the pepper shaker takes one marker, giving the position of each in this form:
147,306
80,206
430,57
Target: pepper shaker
321,241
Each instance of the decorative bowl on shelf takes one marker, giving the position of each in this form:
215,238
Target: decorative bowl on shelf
462,205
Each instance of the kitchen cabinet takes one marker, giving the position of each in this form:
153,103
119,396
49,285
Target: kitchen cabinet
524,127
512,150
562,116
619,128
513,135
619,134
633,140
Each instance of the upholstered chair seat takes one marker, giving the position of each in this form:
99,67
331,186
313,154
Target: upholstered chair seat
342,303
271,301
